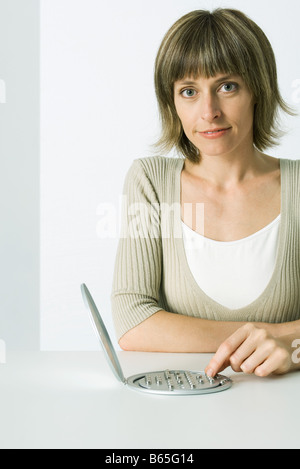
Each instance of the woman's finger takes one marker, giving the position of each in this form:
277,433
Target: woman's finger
278,362
253,351
226,350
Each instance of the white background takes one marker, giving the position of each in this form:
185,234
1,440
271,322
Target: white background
98,113
19,175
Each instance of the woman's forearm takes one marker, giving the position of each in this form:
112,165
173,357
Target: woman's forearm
169,332
286,328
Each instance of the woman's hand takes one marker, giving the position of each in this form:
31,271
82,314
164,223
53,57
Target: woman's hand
252,349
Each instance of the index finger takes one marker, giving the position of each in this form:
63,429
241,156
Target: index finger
220,360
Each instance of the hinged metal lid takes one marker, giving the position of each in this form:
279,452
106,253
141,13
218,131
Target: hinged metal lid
102,334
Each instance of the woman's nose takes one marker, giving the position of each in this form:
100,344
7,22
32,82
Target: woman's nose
209,108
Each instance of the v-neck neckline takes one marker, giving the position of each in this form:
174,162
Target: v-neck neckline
179,242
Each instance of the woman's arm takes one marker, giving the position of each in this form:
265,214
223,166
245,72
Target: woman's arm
259,348
169,332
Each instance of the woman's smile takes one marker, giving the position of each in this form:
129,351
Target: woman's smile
213,134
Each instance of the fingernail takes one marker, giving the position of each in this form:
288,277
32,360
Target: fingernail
209,372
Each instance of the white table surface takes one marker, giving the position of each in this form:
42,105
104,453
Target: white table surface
72,400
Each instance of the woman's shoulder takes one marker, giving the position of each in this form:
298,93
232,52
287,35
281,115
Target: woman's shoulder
291,168
290,163
290,173
156,168
158,163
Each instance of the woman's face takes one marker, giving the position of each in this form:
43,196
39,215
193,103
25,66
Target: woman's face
216,113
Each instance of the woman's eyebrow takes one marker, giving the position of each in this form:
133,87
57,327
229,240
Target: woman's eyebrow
192,82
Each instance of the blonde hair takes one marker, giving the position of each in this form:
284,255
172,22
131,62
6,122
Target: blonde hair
202,43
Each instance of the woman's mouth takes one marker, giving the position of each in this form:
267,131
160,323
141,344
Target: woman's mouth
214,133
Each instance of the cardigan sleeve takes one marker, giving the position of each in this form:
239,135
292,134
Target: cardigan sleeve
138,264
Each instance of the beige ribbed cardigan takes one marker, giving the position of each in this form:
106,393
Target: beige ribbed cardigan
151,269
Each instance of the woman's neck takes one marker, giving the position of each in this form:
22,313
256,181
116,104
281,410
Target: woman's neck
226,171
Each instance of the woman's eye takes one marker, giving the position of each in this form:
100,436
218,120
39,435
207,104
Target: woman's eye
228,87
188,93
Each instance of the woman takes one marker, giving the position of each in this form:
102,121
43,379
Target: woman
208,260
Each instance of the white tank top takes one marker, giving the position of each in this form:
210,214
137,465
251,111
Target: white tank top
233,273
